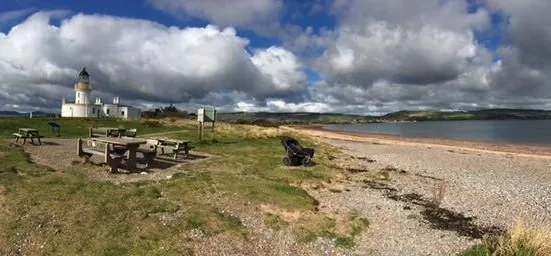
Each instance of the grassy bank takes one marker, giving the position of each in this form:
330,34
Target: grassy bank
67,212
77,127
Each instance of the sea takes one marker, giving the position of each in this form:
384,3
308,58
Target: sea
528,132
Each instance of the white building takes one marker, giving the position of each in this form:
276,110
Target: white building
83,107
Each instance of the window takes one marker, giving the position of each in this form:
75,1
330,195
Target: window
108,111
122,113
93,111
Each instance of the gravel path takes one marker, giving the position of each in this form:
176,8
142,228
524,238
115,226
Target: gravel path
495,189
60,154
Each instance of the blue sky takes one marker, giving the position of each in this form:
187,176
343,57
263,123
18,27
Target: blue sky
371,56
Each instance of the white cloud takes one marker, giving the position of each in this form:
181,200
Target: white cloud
274,105
381,56
141,60
282,66
383,51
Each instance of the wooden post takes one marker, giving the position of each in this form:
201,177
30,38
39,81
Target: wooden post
213,134
132,149
79,147
107,152
201,126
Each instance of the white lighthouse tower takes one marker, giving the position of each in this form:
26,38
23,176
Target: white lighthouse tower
83,88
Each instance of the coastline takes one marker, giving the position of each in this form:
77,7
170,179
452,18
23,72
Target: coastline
524,150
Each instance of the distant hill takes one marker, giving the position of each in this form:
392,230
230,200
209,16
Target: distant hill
19,114
291,118
10,113
486,114
332,118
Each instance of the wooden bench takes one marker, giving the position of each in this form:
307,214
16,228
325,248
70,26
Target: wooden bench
97,132
111,158
176,146
130,133
17,136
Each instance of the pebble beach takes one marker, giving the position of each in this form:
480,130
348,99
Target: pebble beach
483,188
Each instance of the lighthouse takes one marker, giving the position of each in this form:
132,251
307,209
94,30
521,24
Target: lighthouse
83,88
83,107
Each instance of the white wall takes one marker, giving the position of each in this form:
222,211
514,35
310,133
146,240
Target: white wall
82,97
92,110
110,110
74,110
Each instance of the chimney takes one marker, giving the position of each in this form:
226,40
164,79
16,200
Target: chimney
116,100
63,100
98,101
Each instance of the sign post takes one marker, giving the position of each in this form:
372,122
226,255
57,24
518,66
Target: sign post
206,115
201,120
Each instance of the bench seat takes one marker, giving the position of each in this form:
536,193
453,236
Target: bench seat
175,149
17,136
90,151
148,155
112,158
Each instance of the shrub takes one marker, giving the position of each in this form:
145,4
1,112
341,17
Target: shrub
153,124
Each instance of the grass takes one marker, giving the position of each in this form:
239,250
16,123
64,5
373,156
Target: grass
67,212
78,127
274,222
520,240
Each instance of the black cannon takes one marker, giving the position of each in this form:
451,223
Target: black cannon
296,154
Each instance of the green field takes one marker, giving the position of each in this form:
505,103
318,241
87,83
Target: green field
77,127
70,212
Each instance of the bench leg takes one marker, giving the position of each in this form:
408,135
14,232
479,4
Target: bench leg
24,140
148,160
15,139
132,158
113,167
175,154
162,151
39,142
32,140
86,158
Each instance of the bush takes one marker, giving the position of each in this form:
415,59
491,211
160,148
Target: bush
153,124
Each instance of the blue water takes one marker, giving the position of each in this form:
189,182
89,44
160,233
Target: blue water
537,132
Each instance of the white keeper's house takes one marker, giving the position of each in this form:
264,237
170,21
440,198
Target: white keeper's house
83,107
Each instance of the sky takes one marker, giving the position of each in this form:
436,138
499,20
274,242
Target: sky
343,56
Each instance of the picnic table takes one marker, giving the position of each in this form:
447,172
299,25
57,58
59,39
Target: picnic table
175,145
119,147
27,133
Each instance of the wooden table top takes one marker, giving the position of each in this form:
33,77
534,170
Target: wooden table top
120,141
28,129
171,140
111,128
